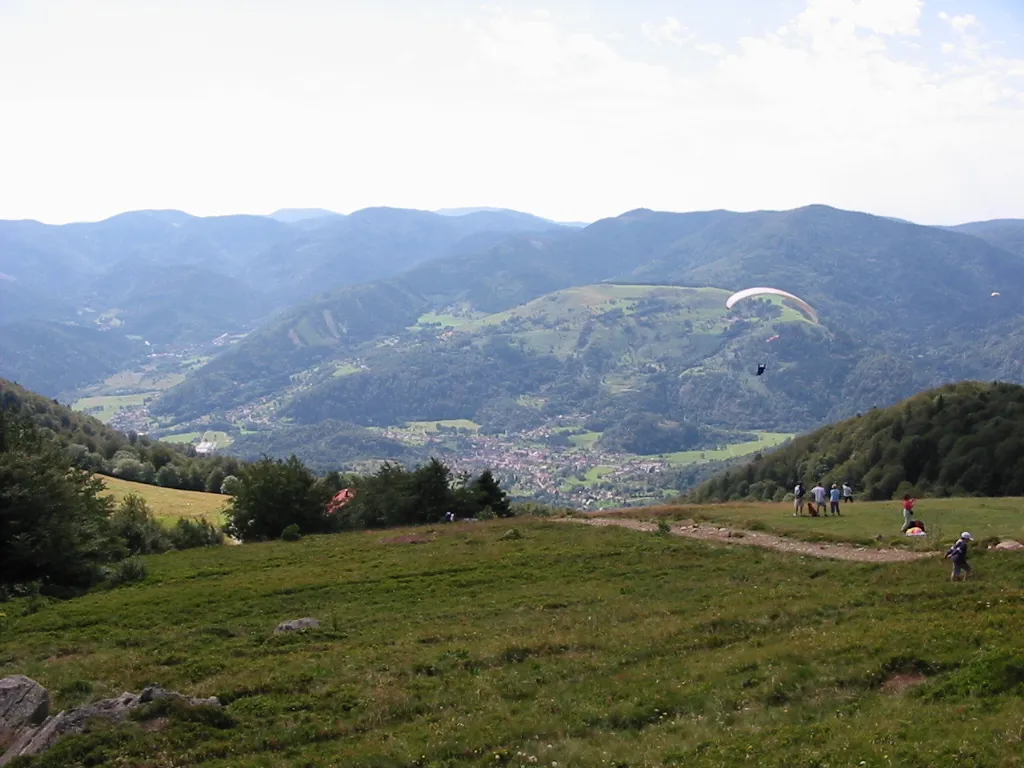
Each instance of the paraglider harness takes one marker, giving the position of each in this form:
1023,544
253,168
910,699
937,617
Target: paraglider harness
760,368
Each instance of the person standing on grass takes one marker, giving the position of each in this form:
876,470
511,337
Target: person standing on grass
958,554
798,499
834,496
820,497
847,493
908,512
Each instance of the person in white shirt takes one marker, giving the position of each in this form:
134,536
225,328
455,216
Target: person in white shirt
820,497
847,492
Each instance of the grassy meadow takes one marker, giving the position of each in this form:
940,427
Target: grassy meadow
170,504
569,646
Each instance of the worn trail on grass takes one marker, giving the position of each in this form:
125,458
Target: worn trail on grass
693,530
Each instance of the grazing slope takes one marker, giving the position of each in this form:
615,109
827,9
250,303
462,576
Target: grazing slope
961,439
568,646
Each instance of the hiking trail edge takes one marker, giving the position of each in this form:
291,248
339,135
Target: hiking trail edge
693,530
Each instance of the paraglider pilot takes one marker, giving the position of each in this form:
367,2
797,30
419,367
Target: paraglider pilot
760,368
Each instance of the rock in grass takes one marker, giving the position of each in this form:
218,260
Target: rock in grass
23,702
1009,544
511,534
296,625
38,733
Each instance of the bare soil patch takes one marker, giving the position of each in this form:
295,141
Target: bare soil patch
899,683
705,532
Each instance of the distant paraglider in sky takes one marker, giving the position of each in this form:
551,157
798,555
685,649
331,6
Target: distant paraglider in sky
748,292
995,293
760,368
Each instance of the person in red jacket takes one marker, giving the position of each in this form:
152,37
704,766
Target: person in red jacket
908,512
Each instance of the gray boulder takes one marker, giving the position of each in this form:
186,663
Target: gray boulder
37,735
1009,544
296,625
23,702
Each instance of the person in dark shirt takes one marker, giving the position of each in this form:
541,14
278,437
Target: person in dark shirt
958,554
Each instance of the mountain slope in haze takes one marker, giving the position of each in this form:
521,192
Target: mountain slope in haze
293,215
178,280
1004,233
903,307
960,439
54,358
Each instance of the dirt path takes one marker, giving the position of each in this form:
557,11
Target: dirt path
692,530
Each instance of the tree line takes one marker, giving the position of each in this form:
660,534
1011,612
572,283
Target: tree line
963,439
61,531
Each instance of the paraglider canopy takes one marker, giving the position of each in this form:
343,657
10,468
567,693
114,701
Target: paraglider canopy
995,293
749,292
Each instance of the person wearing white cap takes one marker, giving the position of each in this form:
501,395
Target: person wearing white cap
958,554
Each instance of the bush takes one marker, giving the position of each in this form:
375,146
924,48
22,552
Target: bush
230,485
192,534
291,533
134,524
130,571
274,494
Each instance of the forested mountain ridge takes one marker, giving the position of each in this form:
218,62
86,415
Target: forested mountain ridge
960,439
176,280
902,307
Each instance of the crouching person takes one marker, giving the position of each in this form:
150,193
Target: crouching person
958,554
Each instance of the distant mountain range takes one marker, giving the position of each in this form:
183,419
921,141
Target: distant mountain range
508,321
171,279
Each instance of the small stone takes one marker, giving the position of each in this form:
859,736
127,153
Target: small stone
296,625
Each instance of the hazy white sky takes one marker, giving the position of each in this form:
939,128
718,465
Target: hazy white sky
571,109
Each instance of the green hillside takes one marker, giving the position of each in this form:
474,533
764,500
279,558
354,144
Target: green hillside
94,446
569,646
961,439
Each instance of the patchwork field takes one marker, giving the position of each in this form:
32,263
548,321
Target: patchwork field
569,646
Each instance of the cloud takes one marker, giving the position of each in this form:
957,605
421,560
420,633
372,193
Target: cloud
960,23
669,31
532,111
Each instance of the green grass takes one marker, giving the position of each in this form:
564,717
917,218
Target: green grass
586,440
431,426
573,646
765,440
105,407
222,439
170,504
864,522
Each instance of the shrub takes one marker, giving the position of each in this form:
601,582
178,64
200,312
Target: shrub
130,571
192,534
291,533
664,529
134,524
230,485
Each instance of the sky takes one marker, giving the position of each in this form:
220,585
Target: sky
570,109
